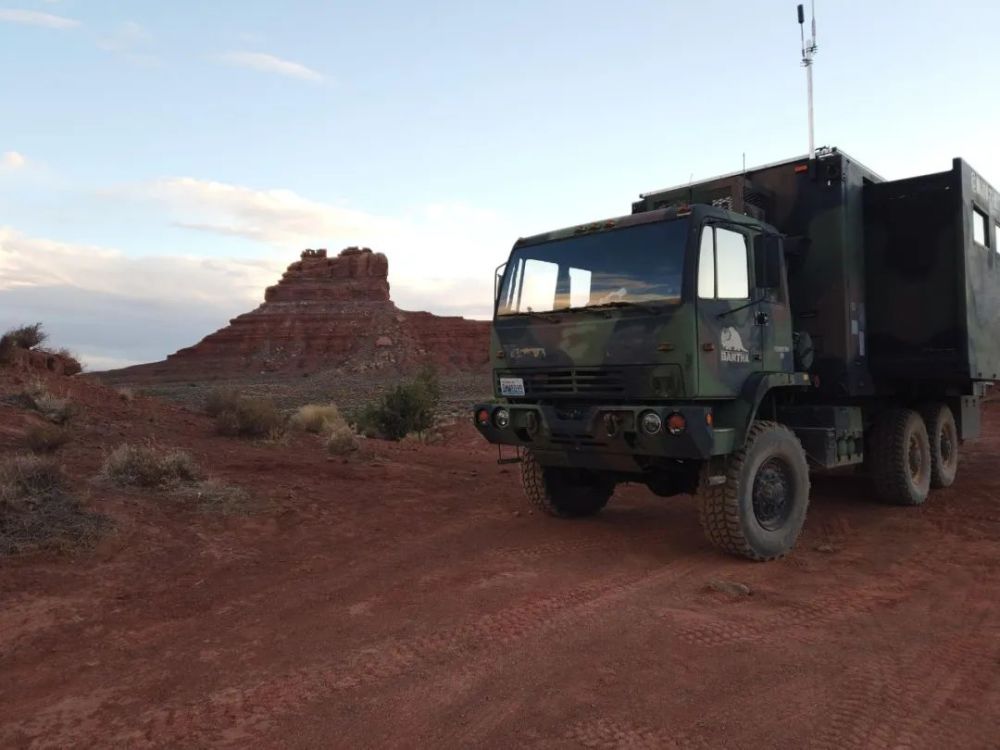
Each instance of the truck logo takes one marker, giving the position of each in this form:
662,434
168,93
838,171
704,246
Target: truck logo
533,352
732,346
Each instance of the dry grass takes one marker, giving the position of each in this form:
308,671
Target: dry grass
45,438
341,440
214,496
36,511
317,418
221,400
56,410
149,466
250,417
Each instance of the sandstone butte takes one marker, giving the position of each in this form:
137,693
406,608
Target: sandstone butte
328,313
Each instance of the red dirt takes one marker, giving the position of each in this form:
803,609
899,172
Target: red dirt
406,598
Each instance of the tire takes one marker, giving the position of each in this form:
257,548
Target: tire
564,493
942,433
742,516
901,457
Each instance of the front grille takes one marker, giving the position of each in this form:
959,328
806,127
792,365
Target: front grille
572,382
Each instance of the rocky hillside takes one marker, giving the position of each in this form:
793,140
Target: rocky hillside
326,313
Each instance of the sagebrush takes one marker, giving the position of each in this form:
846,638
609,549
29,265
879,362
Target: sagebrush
409,407
149,465
53,408
37,511
316,418
45,438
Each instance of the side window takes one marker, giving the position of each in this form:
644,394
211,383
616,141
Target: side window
731,261
706,264
996,243
980,227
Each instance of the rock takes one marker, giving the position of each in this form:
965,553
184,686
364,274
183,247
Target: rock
315,318
826,547
732,588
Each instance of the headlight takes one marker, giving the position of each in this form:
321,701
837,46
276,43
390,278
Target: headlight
501,418
651,422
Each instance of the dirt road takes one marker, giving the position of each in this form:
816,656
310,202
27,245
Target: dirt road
407,599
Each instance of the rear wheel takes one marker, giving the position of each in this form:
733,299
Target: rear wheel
901,457
942,433
566,493
760,507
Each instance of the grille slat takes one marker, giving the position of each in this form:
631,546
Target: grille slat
576,382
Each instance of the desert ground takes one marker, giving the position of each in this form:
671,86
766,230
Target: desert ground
404,596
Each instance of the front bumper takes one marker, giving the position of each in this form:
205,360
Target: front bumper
580,435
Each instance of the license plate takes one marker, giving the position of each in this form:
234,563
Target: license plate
511,386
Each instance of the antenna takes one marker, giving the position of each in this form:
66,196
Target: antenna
808,54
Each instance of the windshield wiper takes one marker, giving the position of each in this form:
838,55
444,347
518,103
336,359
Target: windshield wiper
617,303
546,316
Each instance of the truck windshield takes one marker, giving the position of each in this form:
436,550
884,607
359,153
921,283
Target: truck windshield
636,265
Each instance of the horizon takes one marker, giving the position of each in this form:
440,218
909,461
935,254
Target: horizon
161,166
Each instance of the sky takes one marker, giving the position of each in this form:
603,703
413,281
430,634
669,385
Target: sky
162,163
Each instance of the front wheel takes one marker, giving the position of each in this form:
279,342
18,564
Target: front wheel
566,493
760,507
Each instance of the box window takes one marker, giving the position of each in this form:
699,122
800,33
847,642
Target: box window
980,228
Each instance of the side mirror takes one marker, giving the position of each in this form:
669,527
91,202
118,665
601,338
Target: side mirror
497,279
767,251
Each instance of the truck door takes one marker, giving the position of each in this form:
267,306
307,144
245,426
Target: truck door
729,342
771,313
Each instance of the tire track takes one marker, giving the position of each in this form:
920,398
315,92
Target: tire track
249,711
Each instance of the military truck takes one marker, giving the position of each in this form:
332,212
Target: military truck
729,336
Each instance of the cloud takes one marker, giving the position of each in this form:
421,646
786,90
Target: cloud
12,160
114,309
36,18
270,64
441,256
126,37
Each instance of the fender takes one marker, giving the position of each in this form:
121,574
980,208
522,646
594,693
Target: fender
740,412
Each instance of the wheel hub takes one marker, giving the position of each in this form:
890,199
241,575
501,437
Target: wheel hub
772,494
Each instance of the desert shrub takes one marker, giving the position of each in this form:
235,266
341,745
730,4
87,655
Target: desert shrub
55,409
36,510
126,394
71,365
341,440
250,417
149,466
316,418
221,400
29,476
213,496
409,407
45,438
27,337
7,348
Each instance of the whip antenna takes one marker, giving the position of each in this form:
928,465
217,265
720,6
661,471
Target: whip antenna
808,54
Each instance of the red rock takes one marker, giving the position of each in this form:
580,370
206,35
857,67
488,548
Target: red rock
325,313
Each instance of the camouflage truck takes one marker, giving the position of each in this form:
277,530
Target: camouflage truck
729,336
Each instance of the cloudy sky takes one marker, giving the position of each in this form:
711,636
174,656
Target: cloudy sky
161,163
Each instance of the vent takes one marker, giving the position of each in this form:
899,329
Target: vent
573,382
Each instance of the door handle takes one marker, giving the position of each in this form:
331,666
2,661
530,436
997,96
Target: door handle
761,319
